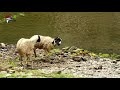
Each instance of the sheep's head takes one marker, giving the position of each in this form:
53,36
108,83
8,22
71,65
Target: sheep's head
57,41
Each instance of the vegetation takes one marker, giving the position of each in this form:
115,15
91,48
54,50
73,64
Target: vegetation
77,51
14,16
33,74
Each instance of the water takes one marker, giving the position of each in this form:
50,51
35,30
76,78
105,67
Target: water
94,31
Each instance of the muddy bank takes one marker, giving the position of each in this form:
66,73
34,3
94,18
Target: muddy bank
69,60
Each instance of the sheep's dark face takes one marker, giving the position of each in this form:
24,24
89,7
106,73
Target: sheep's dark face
58,41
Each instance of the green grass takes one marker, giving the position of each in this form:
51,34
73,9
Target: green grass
111,56
34,74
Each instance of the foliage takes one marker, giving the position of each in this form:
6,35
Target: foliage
14,16
54,51
112,56
104,55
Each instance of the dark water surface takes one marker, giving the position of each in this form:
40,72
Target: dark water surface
95,31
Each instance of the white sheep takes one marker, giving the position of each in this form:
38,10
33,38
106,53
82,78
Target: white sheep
46,43
25,47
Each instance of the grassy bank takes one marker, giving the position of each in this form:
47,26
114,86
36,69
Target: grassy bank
10,68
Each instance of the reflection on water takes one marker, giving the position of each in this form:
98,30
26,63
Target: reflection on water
95,31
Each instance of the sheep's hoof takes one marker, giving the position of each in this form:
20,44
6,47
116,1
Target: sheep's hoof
28,65
21,65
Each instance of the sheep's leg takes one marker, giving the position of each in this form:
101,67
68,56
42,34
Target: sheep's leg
28,58
35,53
21,60
46,53
32,64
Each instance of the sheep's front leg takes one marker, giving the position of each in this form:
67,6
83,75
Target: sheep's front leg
21,60
47,52
28,58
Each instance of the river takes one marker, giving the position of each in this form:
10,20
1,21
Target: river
94,31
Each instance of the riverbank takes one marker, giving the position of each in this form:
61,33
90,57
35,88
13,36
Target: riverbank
68,62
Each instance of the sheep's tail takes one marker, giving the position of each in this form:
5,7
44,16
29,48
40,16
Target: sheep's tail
38,39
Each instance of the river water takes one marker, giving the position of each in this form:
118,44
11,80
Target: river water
94,31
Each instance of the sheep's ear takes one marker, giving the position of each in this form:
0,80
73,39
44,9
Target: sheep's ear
53,42
56,38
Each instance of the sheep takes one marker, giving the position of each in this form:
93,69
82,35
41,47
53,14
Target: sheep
47,43
25,47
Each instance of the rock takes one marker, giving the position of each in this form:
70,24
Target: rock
103,59
57,53
52,57
11,71
65,55
114,61
79,58
98,67
59,72
51,63
77,66
118,60
83,59
2,45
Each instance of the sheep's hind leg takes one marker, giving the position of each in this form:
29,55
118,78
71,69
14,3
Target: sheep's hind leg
29,58
35,53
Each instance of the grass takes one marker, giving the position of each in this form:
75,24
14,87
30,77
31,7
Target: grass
34,74
11,70
102,55
54,51
111,56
